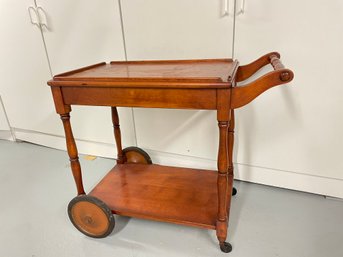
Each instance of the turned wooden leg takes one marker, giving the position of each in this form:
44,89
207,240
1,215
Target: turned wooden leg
230,188
117,134
73,154
222,184
231,191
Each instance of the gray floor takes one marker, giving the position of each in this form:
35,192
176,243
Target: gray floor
36,186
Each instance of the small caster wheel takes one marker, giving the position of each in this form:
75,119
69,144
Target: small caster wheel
136,155
234,191
91,216
225,247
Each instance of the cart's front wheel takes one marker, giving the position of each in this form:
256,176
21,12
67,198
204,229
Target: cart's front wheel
136,155
91,216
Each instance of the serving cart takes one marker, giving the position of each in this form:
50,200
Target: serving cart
136,187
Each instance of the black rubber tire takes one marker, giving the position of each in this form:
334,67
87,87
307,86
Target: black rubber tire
225,247
234,191
93,200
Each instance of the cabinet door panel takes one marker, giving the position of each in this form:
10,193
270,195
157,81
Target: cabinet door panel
297,127
178,29
186,132
24,70
80,33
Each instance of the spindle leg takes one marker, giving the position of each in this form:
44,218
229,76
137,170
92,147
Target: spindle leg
73,154
117,135
222,184
231,190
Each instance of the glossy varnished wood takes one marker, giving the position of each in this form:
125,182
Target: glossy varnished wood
223,117
73,154
177,195
117,134
230,144
142,97
245,94
210,73
246,71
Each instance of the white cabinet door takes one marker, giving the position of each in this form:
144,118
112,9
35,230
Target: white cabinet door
178,29
80,33
24,69
295,128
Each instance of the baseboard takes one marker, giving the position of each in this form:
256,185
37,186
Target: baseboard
58,142
261,175
327,186
291,180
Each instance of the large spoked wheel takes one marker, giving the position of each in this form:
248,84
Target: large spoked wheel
91,216
136,155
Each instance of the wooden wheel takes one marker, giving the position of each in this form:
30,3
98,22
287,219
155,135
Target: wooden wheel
91,216
136,155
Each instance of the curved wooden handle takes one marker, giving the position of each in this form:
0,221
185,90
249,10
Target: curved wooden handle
277,65
243,95
246,71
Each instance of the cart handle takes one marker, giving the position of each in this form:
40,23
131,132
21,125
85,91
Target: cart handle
246,71
245,94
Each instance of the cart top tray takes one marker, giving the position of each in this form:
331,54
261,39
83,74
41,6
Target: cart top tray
212,73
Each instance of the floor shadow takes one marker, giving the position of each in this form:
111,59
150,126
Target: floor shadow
121,223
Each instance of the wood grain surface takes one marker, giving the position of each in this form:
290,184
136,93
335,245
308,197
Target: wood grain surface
186,73
177,195
192,197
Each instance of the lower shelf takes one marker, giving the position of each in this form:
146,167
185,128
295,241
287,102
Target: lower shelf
177,195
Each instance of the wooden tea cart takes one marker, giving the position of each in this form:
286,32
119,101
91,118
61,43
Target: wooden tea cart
136,187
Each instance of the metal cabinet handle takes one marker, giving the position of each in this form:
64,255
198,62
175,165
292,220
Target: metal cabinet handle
30,9
241,9
225,8
42,18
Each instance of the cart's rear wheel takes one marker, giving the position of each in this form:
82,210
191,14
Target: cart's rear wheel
234,191
136,155
91,216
